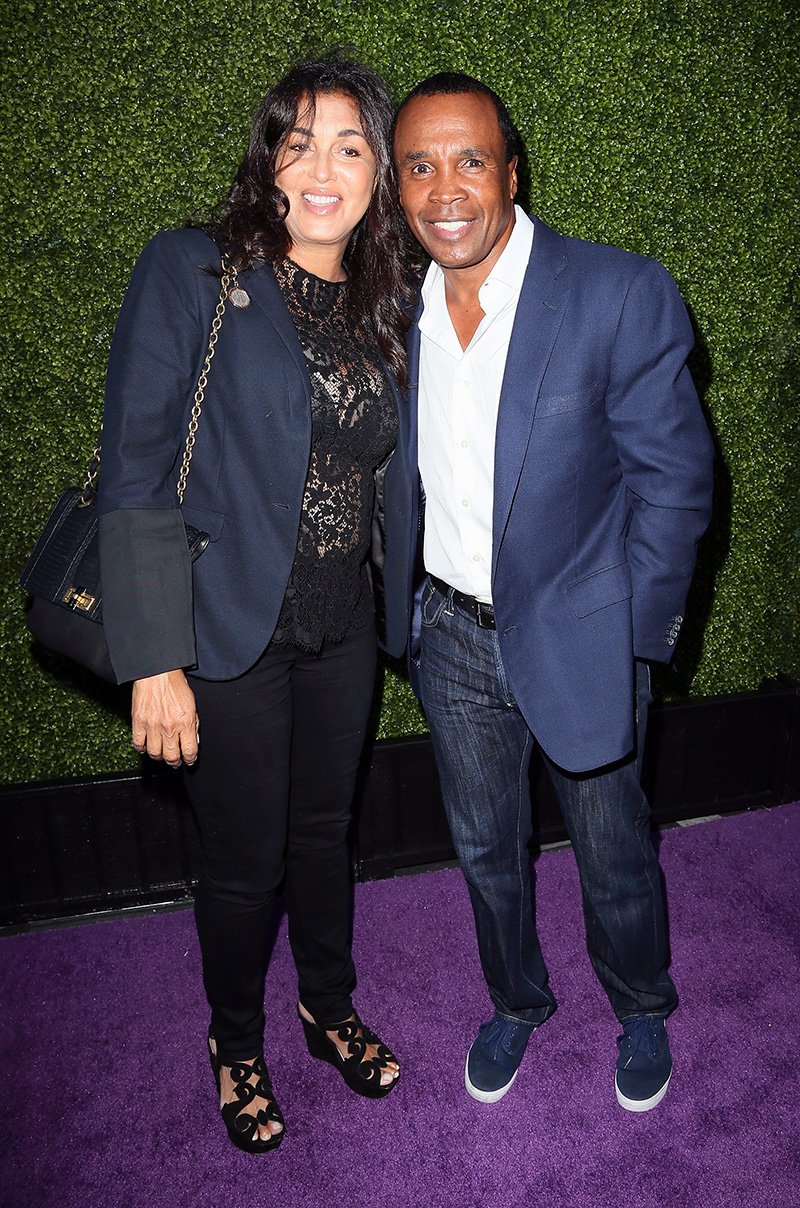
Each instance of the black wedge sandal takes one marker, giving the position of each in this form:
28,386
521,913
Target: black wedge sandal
362,1074
242,1126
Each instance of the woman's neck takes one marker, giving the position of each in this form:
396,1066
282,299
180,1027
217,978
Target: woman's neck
322,261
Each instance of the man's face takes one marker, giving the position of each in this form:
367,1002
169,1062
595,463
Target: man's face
456,188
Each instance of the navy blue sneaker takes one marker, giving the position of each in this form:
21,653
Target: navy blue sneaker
494,1058
644,1065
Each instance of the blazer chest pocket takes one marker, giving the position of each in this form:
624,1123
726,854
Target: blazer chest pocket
587,394
597,591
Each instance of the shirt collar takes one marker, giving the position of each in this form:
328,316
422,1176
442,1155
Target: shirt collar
513,261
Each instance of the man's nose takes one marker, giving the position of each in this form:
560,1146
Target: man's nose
447,187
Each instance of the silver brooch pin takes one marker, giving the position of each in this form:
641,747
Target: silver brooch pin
239,297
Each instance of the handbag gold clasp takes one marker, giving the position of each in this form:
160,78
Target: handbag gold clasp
81,600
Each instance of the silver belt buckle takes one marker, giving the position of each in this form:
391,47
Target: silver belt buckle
486,622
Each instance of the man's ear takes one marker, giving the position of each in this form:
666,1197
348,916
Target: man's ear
512,176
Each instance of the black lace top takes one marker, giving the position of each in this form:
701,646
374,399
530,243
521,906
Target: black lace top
353,428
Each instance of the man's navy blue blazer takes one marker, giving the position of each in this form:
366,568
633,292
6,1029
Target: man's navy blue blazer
247,475
602,489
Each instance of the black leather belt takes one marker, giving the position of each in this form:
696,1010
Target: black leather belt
482,614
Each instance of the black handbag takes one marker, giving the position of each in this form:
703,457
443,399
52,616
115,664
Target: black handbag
62,575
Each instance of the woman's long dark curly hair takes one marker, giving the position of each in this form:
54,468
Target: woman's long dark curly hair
249,224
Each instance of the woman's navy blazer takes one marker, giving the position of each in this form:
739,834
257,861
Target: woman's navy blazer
247,477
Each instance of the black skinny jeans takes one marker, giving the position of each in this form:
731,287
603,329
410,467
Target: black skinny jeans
272,792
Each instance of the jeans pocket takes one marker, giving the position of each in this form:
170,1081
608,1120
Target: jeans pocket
432,607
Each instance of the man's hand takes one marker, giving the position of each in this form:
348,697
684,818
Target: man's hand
164,716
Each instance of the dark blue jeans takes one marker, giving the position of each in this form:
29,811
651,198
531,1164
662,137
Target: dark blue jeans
483,748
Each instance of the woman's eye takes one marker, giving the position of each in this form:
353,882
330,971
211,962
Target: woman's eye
297,148
351,152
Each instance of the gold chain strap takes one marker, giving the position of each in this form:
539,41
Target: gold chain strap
229,278
93,468
228,275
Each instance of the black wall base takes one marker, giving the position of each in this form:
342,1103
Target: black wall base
113,842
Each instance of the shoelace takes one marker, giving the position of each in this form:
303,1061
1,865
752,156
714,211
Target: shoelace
499,1032
644,1033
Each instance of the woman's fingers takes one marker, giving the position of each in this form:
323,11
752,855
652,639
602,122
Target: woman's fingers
139,737
164,723
187,745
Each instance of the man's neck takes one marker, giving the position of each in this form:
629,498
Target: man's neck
463,301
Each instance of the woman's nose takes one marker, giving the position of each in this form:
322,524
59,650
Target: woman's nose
321,166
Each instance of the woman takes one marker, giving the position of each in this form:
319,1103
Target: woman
265,648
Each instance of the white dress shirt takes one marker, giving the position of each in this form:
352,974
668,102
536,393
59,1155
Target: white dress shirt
459,394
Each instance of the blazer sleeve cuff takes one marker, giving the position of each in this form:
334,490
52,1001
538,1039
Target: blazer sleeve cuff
146,580
658,645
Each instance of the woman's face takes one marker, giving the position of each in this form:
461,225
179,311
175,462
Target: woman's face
327,171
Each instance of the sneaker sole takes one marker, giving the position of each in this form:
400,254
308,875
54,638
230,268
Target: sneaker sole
641,1105
486,1096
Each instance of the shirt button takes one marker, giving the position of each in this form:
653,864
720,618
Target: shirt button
476,557
465,444
465,503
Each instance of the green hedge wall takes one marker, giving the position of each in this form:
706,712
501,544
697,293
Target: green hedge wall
663,126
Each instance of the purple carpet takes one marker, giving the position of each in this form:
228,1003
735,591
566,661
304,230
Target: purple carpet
108,1098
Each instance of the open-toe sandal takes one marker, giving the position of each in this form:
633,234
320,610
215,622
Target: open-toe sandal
361,1073
242,1125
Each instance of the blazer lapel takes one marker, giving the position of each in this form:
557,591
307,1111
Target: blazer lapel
540,312
265,292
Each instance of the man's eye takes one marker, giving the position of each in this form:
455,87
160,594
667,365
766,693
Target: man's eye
473,163
420,170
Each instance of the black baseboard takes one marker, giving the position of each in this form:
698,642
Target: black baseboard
109,843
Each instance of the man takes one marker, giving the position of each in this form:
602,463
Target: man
566,473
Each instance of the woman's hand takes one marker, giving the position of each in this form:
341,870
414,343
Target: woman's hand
164,718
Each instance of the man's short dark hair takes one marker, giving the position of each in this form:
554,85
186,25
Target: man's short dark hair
454,83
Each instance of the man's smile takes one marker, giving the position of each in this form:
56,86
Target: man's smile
449,228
